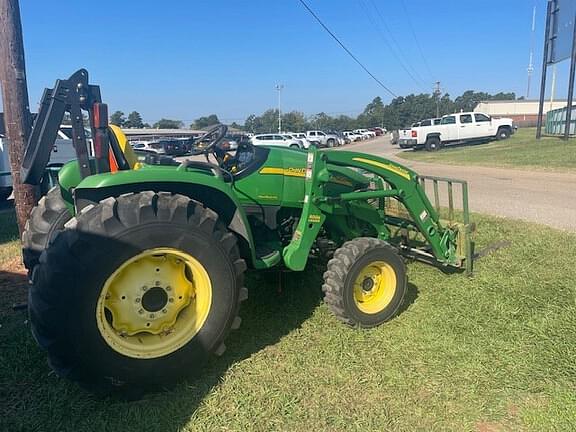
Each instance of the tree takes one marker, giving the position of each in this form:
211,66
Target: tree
117,118
293,121
134,120
235,125
168,124
204,122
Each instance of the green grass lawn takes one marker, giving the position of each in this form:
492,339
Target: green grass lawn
9,242
522,150
496,352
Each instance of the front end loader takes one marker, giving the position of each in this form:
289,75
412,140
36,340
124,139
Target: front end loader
137,261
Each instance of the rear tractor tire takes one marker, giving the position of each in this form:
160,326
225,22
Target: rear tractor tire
46,221
137,292
365,282
433,144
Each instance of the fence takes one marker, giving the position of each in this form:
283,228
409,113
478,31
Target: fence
556,121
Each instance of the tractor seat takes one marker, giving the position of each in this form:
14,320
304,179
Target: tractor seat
122,157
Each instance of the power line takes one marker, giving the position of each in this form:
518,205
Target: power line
416,39
345,49
393,44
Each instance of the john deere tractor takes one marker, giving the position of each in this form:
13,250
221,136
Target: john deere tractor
137,261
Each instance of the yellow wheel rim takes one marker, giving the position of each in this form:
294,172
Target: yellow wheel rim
375,287
154,303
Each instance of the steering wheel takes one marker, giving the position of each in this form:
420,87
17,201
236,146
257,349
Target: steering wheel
219,132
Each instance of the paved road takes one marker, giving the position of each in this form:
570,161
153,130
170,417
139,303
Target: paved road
544,197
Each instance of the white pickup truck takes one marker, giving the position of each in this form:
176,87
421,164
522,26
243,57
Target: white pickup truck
322,139
62,152
465,127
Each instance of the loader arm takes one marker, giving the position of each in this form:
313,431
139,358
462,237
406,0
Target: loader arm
442,241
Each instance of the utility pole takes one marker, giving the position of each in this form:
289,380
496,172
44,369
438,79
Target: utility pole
552,87
279,87
437,93
16,106
530,63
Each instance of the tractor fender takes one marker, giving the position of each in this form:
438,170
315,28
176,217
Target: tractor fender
213,193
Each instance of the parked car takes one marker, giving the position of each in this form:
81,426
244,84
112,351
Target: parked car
170,147
378,131
465,127
366,133
406,134
353,136
148,147
304,143
339,135
301,136
275,140
322,139
62,152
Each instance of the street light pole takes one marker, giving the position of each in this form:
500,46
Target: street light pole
279,87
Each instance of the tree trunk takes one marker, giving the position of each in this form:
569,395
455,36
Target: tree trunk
16,106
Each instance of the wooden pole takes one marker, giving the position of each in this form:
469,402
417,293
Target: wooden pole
16,106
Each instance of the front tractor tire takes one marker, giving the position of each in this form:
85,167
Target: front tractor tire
137,292
365,282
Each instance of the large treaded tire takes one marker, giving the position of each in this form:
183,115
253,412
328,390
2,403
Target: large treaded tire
73,269
344,268
46,221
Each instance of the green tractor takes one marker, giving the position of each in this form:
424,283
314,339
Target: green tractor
137,263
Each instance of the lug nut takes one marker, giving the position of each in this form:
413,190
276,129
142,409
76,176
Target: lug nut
171,300
157,283
168,288
151,316
137,300
141,311
164,311
144,288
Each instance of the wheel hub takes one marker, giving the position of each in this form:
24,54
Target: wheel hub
154,303
368,284
154,299
374,287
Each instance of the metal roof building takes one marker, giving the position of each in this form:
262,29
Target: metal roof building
523,112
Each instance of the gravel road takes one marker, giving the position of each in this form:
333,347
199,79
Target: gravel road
536,196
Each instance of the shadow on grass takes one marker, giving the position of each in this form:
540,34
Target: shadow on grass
8,225
278,304
28,385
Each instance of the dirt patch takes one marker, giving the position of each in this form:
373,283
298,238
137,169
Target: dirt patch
13,285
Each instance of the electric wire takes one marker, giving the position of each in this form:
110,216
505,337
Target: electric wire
426,64
393,44
317,18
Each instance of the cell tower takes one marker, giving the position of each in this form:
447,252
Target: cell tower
530,63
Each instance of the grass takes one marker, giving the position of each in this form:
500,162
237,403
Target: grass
522,150
496,352
9,240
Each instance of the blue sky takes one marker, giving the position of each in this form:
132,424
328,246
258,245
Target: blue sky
184,59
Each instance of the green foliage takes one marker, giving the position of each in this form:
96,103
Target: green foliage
168,124
204,122
400,112
117,118
134,120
